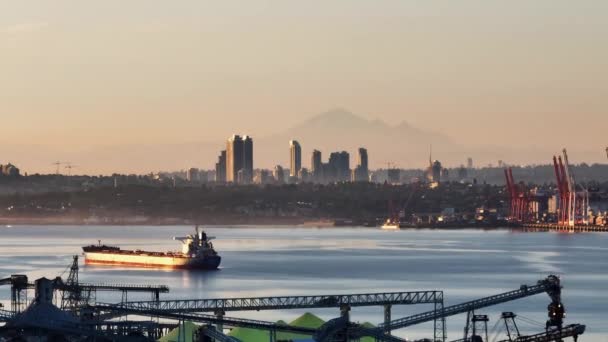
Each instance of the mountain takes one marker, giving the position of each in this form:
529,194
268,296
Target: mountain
339,129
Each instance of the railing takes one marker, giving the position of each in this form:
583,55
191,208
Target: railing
121,287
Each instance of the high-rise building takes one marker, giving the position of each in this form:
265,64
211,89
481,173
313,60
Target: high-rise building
316,166
279,174
469,163
247,159
362,159
220,168
339,165
435,174
361,172
239,158
295,158
234,158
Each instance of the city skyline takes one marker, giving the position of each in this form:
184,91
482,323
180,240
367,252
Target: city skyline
116,83
358,131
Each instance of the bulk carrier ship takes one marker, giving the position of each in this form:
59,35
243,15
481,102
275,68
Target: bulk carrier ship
197,253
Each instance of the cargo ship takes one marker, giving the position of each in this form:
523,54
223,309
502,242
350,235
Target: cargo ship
197,253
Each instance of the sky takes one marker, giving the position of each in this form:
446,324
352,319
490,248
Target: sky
81,74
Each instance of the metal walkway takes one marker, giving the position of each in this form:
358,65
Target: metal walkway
288,302
205,318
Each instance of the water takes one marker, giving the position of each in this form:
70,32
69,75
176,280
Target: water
266,261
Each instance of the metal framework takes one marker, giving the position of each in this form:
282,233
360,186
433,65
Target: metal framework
205,318
5,315
288,302
550,285
519,198
573,206
572,330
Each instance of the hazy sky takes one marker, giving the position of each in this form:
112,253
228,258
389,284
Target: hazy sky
113,72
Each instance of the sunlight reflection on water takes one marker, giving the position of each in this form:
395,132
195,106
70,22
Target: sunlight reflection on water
265,261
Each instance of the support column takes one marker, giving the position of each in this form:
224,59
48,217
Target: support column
439,322
387,319
273,335
219,313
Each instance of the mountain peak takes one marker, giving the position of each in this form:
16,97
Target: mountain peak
337,115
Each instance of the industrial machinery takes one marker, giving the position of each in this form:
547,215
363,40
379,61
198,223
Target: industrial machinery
573,205
70,308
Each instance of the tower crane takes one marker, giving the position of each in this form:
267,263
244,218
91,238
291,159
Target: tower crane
69,166
58,165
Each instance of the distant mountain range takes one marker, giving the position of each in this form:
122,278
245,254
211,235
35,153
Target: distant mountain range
339,129
402,145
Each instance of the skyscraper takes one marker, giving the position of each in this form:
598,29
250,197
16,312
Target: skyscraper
469,163
362,159
220,168
247,159
339,167
234,158
361,172
239,158
316,166
295,158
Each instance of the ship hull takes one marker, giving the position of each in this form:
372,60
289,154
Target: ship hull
153,261
390,227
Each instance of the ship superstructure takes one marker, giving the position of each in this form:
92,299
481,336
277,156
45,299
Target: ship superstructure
197,253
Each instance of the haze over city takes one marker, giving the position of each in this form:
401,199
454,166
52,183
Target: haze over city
141,86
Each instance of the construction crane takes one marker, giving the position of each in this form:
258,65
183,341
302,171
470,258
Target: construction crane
70,166
58,165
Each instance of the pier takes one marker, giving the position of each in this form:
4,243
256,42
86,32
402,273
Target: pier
563,228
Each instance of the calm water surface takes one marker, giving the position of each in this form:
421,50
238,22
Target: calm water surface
265,261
